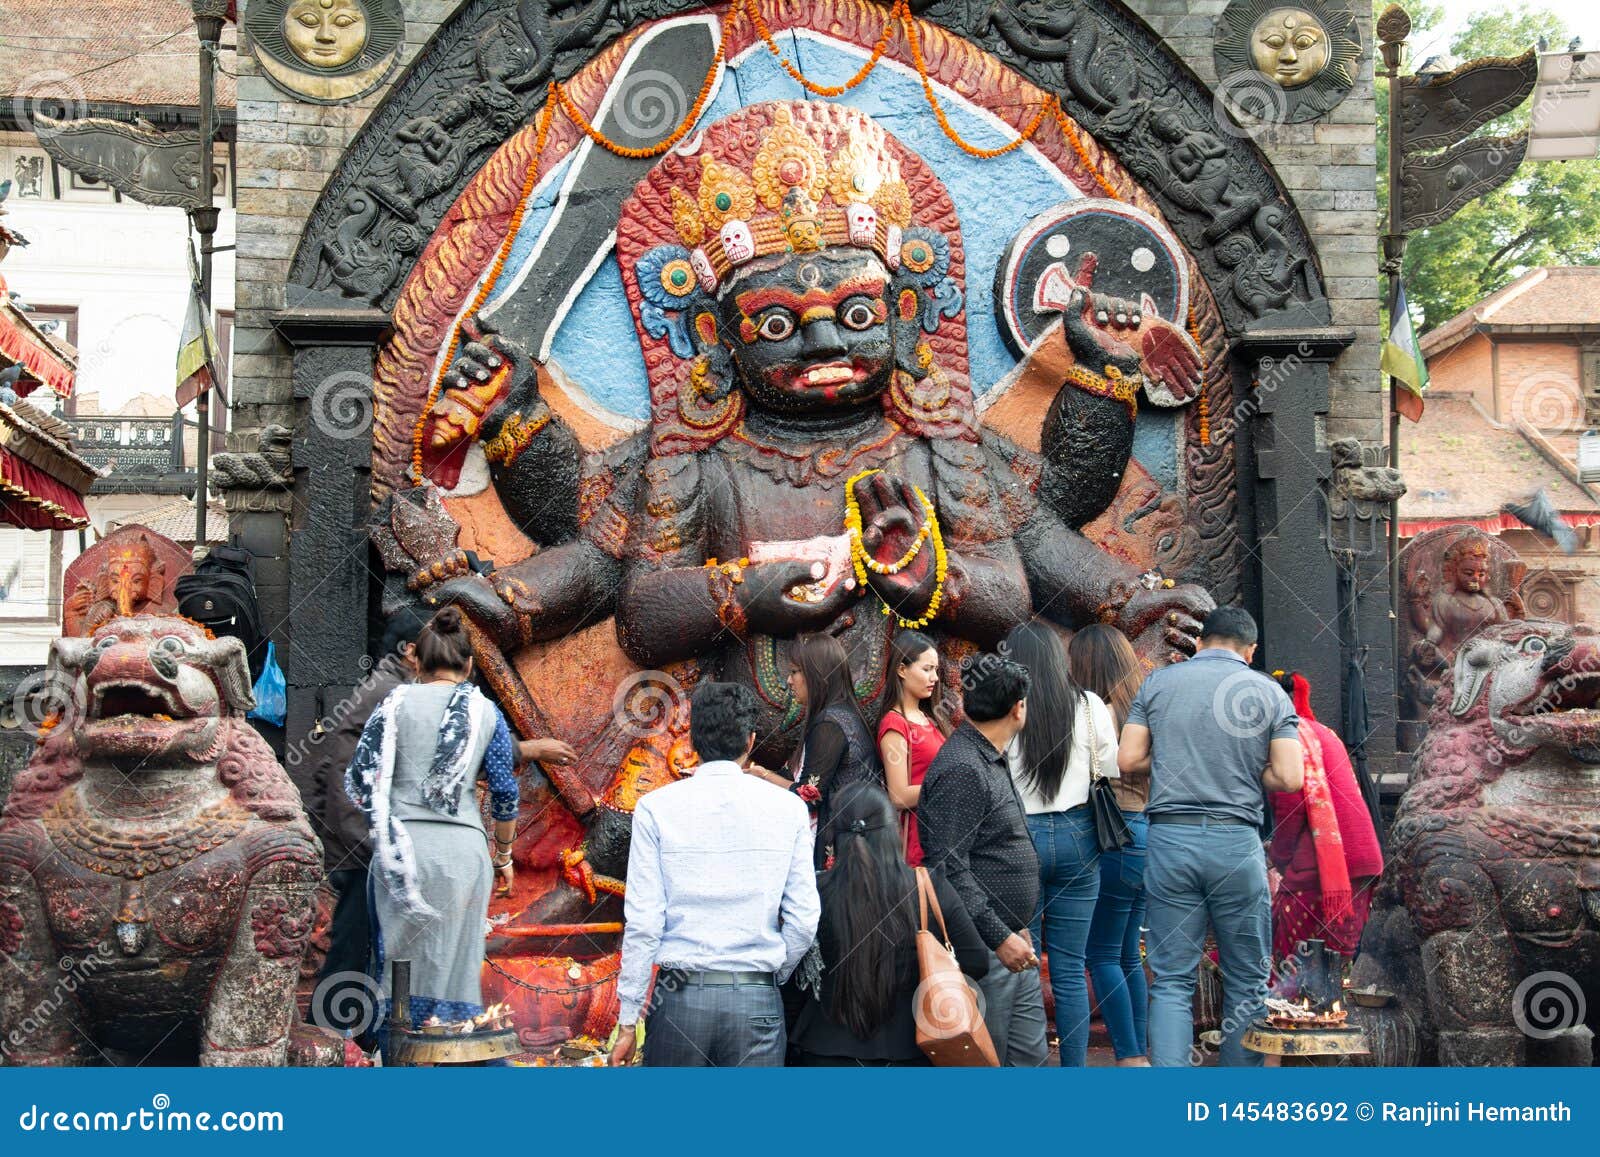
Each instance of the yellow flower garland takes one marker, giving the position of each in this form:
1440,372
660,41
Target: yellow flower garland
863,562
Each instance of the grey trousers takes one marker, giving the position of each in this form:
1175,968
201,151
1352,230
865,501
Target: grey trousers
694,1025
1013,1010
1196,875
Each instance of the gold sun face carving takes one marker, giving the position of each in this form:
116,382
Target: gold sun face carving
1289,45
325,33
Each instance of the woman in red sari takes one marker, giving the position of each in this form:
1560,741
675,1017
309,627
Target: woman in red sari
911,728
1323,843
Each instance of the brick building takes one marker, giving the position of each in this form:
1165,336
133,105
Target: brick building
1514,384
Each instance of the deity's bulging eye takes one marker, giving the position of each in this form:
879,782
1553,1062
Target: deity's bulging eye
858,313
776,325
171,644
1533,645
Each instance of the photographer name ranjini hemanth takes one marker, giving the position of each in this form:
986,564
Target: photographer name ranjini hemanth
1438,1112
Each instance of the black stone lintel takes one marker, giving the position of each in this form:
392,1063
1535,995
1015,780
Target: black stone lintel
1314,343
332,326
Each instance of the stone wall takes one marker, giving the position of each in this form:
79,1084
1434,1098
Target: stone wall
1328,168
286,150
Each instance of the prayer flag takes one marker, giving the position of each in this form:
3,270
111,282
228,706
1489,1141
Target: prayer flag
1403,361
197,346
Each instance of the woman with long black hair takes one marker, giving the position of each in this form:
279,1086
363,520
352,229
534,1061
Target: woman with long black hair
912,727
867,936
836,747
1068,736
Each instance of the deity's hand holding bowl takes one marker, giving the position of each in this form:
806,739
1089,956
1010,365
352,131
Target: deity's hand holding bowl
895,525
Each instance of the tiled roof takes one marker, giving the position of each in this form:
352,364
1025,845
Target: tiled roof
175,520
1458,464
138,52
1551,295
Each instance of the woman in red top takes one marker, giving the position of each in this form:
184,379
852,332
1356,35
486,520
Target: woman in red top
911,728
1323,842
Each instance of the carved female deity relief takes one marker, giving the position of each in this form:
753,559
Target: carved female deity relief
1457,580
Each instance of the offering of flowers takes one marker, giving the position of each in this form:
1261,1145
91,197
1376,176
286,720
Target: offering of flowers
1286,1014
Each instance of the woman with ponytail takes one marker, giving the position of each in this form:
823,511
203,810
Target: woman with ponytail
414,771
867,937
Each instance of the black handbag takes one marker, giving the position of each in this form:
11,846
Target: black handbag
1110,829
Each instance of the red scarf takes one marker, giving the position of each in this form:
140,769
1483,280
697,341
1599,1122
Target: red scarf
1332,871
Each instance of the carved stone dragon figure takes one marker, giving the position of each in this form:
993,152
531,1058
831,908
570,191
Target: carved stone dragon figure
157,872
1493,889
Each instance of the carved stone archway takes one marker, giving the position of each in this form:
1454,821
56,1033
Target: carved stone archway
485,74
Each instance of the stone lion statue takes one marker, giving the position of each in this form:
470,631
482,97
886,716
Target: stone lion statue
157,873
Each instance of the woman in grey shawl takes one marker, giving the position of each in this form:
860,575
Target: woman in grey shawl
419,756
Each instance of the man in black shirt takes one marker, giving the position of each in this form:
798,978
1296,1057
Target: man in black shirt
975,830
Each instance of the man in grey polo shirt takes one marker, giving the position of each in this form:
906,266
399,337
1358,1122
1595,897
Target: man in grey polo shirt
1211,733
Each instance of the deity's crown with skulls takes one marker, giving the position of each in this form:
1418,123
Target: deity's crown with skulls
793,199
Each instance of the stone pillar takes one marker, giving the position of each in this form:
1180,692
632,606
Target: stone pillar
1287,395
329,574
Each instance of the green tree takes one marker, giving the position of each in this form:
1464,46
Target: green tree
1549,213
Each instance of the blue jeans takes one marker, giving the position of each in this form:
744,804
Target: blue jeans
1069,882
1216,872
1114,963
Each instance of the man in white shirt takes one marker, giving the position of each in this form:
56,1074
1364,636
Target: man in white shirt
722,895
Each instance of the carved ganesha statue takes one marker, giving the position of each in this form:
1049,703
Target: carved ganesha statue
157,873
1492,894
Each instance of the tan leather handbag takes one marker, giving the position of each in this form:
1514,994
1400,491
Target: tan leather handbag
950,1028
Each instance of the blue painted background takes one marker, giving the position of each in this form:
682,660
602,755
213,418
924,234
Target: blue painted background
993,198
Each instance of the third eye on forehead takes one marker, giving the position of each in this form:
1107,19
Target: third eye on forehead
754,301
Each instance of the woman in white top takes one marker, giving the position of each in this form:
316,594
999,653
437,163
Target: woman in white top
1069,736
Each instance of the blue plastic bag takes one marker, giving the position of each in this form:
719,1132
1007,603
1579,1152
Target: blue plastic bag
271,702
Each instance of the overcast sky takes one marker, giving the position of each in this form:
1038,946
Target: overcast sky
1581,16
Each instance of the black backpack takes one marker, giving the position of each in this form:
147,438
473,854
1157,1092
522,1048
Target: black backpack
221,594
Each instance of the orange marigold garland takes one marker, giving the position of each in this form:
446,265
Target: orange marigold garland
660,147
528,182
1049,102
1069,130
896,14
1203,404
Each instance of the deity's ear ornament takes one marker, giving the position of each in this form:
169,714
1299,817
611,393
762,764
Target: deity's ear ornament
668,288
